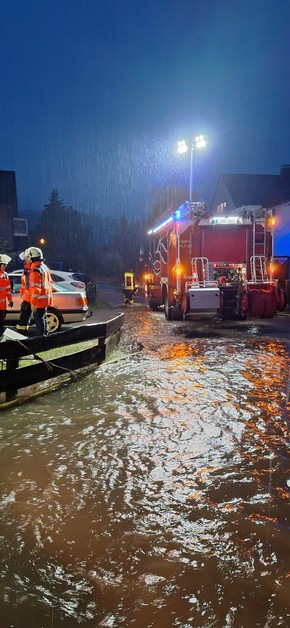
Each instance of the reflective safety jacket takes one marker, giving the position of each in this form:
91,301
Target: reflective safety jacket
24,288
129,283
5,290
40,285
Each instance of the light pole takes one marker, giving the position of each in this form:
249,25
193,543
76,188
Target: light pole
182,147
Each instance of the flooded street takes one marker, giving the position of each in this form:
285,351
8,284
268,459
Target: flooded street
155,491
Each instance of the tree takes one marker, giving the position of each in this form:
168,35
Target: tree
123,251
166,200
6,249
63,233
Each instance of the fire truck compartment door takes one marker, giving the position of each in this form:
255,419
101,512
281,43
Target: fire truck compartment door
203,299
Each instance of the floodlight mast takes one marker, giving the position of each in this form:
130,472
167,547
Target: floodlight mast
182,147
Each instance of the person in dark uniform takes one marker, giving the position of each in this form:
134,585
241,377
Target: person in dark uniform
130,287
25,310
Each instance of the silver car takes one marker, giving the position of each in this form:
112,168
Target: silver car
67,280
68,307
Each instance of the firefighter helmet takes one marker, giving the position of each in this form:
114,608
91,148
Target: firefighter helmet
34,253
5,259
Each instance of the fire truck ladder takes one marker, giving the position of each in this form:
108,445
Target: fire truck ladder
258,269
258,265
259,236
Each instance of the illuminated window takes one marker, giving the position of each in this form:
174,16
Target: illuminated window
221,207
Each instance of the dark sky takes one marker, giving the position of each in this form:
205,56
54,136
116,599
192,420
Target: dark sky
95,94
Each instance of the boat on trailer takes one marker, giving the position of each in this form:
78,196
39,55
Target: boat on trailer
81,348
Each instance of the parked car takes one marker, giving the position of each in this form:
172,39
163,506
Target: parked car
68,306
72,280
67,280
91,286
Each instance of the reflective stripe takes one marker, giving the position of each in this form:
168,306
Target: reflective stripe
40,286
5,290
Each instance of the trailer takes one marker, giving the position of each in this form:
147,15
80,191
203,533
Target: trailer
214,265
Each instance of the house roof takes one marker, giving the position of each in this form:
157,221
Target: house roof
257,189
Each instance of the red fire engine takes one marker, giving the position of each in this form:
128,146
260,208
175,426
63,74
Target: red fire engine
214,264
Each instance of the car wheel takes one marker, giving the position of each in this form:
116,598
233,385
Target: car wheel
53,321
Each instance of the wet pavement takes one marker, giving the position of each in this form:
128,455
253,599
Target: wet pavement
155,491
110,301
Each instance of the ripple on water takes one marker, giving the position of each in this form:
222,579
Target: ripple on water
157,487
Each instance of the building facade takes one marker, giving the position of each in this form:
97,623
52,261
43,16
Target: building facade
8,205
13,230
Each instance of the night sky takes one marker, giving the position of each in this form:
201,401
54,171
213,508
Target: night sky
96,93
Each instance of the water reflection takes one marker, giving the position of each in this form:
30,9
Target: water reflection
155,492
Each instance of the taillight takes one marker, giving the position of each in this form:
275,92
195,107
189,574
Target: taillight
81,301
79,284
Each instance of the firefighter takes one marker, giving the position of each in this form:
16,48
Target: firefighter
5,290
40,289
130,288
25,310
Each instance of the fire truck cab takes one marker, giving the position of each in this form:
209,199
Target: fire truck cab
201,264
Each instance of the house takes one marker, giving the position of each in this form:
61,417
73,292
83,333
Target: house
235,190
266,190
13,230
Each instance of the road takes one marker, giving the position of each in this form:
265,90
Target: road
110,301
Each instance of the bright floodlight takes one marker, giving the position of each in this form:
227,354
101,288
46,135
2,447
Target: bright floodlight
200,141
182,147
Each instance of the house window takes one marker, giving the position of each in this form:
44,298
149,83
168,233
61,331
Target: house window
221,207
20,226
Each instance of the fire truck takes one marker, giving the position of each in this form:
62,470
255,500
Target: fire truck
222,265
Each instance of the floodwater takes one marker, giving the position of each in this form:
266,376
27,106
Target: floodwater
154,492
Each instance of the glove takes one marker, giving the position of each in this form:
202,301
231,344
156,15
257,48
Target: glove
10,304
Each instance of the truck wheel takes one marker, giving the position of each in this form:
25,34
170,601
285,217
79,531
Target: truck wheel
177,312
257,303
282,300
221,310
245,301
167,310
270,308
153,305
53,321
184,306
